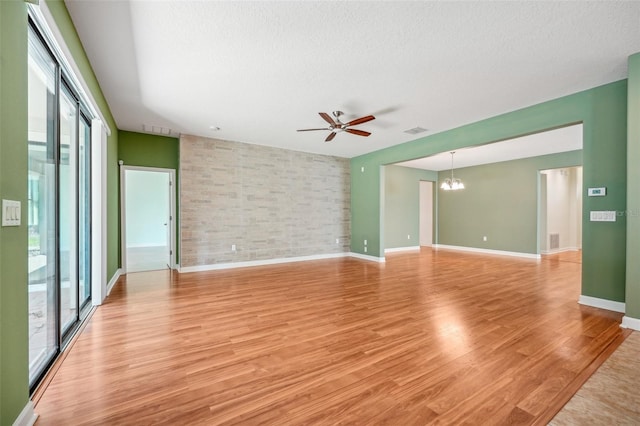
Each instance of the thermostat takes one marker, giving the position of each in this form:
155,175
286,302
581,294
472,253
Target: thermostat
597,192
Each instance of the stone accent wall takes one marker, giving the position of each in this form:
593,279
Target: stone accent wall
271,203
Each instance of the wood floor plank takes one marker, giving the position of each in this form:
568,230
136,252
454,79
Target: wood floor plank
432,337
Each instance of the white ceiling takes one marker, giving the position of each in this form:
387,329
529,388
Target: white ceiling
261,70
550,142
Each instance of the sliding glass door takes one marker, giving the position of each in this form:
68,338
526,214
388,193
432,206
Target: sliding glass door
59,215
43,252
84,211
67,211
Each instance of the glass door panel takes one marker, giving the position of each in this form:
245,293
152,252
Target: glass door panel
41,206
84,215
67,211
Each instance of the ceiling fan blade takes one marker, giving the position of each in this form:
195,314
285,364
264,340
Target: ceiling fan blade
357,132
311,130
330,137
360,120
327,118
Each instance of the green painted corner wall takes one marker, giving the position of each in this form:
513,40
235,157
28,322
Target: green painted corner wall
402,205
14,368
366,207
633,190
506,214
602,111
604,164
113,207
139,149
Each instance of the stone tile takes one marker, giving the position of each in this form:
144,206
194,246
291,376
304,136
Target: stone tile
269,202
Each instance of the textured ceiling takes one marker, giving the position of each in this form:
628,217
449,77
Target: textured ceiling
261,70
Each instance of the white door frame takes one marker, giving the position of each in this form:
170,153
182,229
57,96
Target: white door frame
172,212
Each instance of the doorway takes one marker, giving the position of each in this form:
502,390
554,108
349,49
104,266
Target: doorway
148,209
560,227
426,213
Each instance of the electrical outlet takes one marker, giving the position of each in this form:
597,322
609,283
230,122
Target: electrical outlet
337,240
408,236
365,242
362,169
484,238
233,247
365,249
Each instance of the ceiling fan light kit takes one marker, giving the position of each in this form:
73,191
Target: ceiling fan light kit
337,126
452,184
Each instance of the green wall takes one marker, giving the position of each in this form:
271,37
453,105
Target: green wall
602,111
633,190
14,369
604,161
402,205
500,201
139,149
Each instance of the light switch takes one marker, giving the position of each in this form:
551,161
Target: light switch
10,213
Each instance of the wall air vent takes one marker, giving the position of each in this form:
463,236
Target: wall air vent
554,241
416,130
156,129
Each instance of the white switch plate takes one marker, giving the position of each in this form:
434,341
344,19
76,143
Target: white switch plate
603,216
10,213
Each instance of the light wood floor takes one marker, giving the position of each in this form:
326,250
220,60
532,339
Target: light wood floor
431,337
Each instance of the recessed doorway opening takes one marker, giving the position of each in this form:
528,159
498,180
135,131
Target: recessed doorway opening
148,211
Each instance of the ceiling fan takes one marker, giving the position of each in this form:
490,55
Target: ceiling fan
336,126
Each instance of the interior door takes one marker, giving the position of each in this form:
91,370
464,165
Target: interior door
147,220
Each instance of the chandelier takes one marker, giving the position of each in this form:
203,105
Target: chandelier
452,184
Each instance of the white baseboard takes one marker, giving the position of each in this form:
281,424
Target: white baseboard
595,302
246,264
487,251
113,281
143,245
367,257
562,250
27,416
632,323
397,249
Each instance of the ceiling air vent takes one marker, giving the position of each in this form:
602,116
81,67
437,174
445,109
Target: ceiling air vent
156,129
416,130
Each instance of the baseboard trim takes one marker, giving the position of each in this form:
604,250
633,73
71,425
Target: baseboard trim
397,249
367,257
113,280
596,302
27,416
632,323
562,250
250,263
487,251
